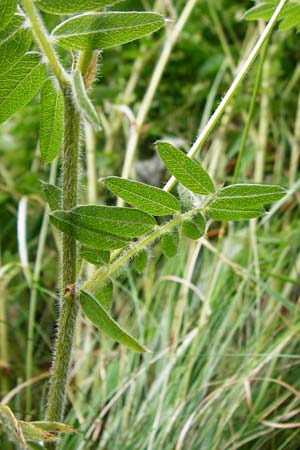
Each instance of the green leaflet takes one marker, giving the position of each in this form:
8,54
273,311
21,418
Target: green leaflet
53,426
74,6
83,101
14,46
52,195
97,314
52,121
7,9
19,84
105,295
94,256
140,261
125,222
245,195
194,228
243,201
99,31
169,243
185,170
100,240
35,434
142,196
289,17
15,23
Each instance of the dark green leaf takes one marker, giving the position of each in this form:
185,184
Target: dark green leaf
19,84
100,240
245,195
140,261
52,121
52,195
94,256
14,46
7,9
185,170
169,243
221,212
83,101
74,6
194,228
97,314
93,31
125,222
146,198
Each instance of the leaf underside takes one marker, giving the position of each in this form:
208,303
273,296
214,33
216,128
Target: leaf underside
169,243
14,43
92,31
99,317
74,6
7,9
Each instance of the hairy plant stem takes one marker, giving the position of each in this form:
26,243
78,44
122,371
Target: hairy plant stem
69,303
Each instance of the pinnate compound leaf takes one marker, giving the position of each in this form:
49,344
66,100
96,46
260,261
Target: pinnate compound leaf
94,256
19,84
142,196
13,47
125,222
169,243
140,261
185,170
243,201
52,195
73,6
83,101
7,10
100,240
52,121
194,228
104,30
99,317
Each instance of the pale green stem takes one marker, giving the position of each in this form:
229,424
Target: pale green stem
69,306
34,292
295,147
232,90
41,35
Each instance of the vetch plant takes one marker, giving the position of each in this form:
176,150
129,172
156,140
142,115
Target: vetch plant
106,236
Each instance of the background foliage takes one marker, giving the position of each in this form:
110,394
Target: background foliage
221,317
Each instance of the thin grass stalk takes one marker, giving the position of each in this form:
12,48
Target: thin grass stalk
34,293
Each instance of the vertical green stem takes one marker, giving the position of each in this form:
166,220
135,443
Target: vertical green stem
69,303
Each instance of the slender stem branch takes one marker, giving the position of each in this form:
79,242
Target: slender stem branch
94,283
232,90
42,38
69,307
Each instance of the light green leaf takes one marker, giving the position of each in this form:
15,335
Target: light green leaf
262,11
99,317
245,195
194,228
105,295
14,46
185,170
100,240
36,434
169,243
52,195
19,84
104,30
144,197
243,201
140,261
74,6
15,23
94,256
125,222
7,9
53,426
52,121
83,101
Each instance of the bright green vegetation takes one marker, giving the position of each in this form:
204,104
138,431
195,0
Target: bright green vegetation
177,325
